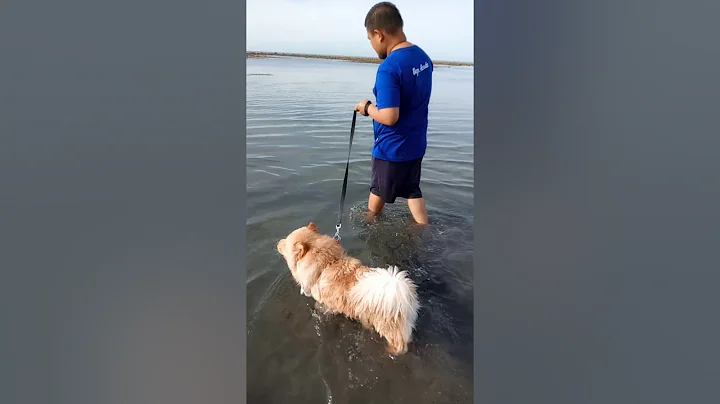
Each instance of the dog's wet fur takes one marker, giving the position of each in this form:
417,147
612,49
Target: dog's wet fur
382,299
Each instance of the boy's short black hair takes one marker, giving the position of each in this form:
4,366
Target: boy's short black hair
384,16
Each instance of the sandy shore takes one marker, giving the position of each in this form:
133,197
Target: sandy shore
355,59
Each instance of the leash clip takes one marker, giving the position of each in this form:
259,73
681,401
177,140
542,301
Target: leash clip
337,232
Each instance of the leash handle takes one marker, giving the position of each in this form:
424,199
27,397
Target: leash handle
344,186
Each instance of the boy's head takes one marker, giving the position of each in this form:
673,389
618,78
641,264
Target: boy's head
384,26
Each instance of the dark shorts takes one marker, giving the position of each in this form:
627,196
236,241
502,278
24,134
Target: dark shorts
395,180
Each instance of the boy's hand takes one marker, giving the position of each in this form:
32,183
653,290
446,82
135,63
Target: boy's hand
361,107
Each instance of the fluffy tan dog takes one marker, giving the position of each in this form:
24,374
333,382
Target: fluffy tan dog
383,299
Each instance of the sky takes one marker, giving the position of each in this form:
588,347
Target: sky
337,27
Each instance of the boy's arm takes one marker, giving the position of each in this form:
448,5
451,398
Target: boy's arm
387,110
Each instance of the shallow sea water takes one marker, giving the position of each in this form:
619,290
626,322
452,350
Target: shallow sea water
298,122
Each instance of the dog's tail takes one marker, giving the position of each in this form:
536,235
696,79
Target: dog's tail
388,293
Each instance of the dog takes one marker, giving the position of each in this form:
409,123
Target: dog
382,299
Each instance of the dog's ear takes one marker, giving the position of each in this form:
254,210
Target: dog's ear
312,227
300,249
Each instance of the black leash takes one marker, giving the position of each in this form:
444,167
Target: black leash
344,187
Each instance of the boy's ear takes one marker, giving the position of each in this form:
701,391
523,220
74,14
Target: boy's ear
300,249
312,227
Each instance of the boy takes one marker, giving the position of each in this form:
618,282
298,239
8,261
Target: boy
400,119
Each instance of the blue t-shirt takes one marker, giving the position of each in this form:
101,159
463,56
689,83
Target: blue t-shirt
404,80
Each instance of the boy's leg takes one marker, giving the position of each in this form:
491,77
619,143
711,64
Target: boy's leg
381,186
412,192
417,208
375,204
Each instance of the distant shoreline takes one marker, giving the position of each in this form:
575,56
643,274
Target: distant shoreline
355,59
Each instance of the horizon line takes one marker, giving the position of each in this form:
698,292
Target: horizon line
369,58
